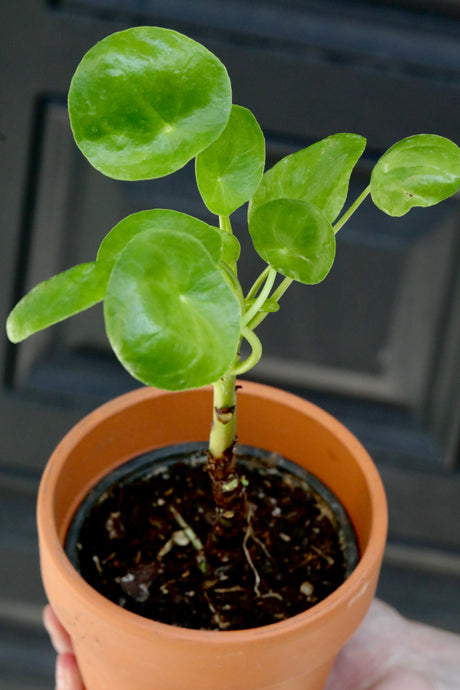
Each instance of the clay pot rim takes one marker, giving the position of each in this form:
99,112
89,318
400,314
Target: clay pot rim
344,597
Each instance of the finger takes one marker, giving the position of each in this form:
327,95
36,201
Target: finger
67,673
371,652
402,678
60,638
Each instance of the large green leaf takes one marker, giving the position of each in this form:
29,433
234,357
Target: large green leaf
295,238
57,298
229,171
145,101
421,170
160,219
319,174
171,316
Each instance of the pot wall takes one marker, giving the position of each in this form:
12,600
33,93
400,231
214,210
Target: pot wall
118,650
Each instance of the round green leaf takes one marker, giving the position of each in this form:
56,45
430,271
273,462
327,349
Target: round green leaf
229,171
231,248
319,174
421,170
295,238
145,101
160,219
57,298
171,316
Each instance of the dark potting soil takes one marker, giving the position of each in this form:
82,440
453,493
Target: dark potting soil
140,546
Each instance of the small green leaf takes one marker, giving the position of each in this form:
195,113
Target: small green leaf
171,316
160,219
319,174
421,170
231,248
57,298
145,101
295,238
229,171
270,305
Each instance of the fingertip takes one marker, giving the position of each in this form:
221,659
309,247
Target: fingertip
67,673
60,639
48,616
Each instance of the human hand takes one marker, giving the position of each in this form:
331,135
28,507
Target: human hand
67,673
387,652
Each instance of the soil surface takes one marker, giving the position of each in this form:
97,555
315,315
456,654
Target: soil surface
145,546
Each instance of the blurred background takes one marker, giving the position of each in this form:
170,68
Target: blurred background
377,344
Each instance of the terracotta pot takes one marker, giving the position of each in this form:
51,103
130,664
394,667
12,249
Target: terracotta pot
119,650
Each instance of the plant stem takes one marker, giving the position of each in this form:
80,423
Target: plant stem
234,282
279,292
281,289
223,432
340,223
262,296
258,282
229,489
225,224
255,355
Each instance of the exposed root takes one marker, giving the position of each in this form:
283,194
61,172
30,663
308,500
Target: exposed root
218,621
247,536
321,554
250,534
193,539
227,590
273,595
253,535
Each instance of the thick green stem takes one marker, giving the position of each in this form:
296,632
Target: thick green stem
229,489
223,432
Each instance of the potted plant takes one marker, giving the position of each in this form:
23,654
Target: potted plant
142,103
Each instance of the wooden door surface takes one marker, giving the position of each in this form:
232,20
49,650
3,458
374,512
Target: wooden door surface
378,344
